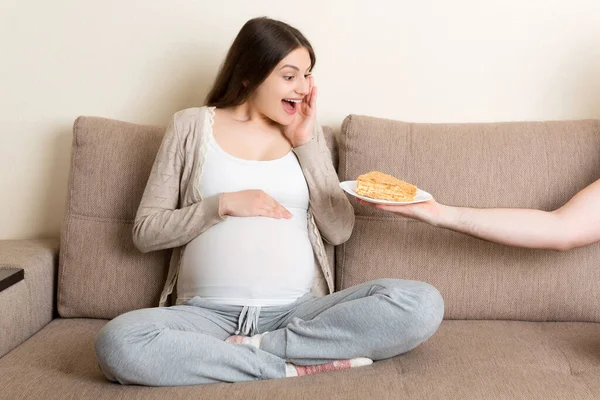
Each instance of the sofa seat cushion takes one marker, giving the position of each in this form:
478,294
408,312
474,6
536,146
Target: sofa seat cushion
464,360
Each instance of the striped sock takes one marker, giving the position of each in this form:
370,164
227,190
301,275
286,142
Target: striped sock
251,340
292,370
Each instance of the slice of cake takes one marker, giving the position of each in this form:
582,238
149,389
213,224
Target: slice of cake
378,185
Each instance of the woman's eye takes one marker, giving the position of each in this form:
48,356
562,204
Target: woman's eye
288,77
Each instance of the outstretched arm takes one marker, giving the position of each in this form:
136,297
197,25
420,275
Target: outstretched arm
575,224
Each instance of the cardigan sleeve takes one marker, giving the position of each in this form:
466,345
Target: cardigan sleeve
159,223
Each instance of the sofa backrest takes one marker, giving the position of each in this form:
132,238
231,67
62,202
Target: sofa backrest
521,164
101,272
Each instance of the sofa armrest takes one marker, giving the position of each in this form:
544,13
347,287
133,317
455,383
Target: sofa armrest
27,306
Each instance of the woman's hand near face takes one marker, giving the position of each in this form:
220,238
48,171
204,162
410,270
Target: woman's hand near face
300,130
251,203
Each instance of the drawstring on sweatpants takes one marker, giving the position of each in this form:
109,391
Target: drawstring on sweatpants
248,321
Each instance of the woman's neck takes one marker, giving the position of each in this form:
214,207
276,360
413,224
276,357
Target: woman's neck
248,113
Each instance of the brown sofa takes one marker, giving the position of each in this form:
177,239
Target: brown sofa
519,324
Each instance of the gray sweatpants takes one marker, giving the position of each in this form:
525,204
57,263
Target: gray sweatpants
184,345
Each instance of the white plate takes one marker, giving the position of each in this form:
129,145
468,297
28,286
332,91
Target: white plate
350,188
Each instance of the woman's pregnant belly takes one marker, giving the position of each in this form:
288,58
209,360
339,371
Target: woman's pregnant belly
249,261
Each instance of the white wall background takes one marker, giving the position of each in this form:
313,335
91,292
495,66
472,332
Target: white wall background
142,60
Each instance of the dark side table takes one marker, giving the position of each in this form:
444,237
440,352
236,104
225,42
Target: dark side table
10,276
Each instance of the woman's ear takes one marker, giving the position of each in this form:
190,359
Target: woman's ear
245,83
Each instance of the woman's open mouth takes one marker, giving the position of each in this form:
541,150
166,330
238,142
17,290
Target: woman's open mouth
290,105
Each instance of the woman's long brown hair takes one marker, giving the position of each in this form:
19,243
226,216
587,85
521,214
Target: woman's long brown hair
259,46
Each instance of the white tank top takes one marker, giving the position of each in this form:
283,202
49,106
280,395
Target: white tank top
251,261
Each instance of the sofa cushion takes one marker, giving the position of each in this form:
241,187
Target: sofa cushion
464,360
521,164
101,272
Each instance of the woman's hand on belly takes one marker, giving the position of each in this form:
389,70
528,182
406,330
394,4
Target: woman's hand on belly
251,203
